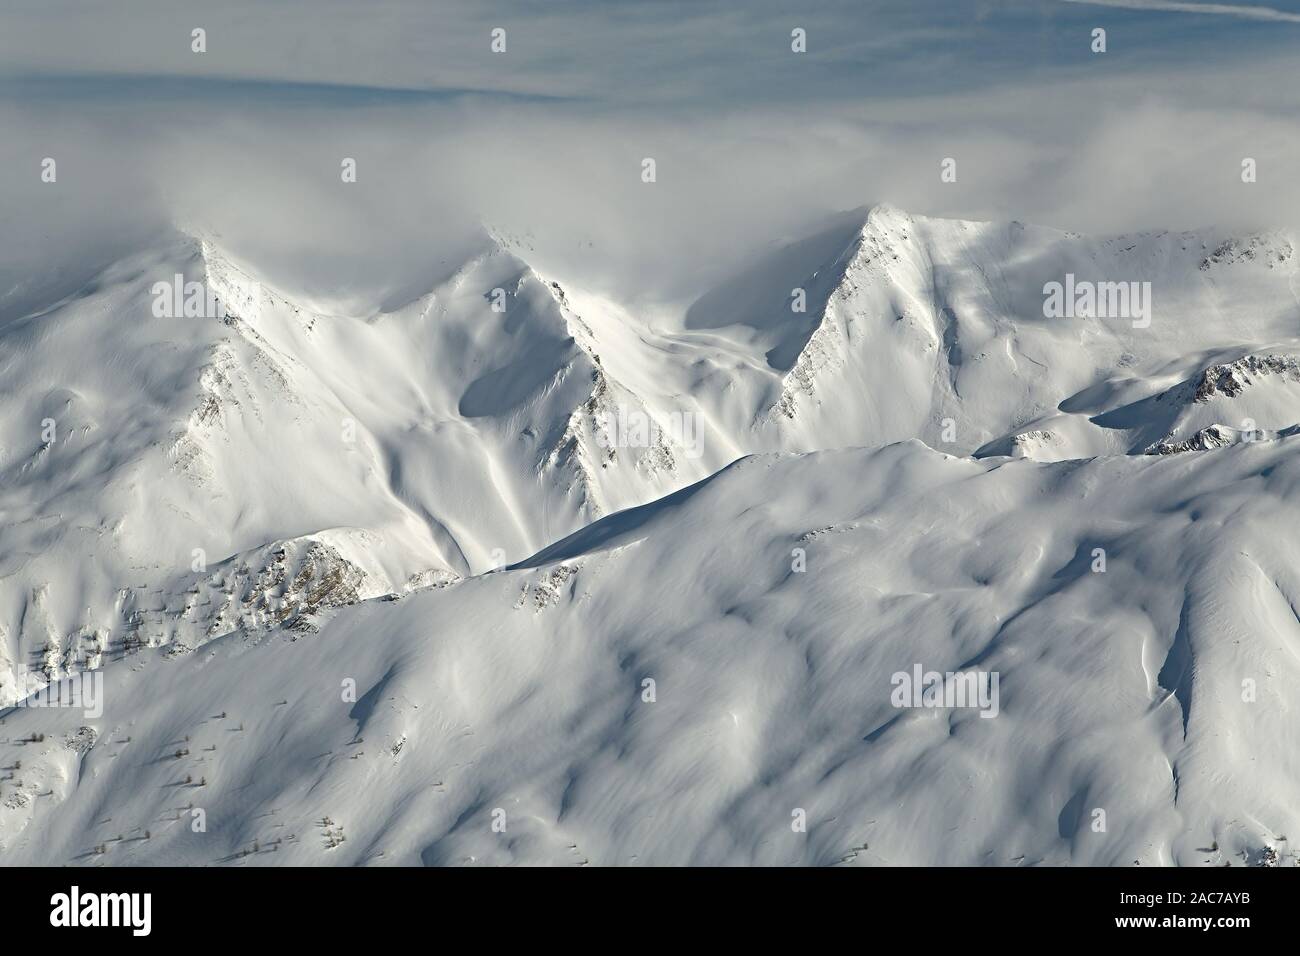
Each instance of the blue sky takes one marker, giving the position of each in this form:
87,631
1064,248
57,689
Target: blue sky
684,53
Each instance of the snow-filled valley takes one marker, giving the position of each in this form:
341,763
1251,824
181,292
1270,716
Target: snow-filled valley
517,572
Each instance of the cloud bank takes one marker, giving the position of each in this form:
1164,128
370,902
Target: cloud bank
247,147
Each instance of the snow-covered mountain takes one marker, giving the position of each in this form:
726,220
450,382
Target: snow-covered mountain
206,508
171,478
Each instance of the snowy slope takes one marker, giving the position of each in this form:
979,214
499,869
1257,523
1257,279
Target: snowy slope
150,459
523,691
207,508
932,322
917,327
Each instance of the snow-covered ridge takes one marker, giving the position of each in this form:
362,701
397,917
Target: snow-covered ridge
911,328
1154,690
170,482
453,435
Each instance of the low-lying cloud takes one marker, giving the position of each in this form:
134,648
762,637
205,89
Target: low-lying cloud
255,163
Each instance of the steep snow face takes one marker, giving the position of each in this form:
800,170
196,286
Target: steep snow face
144,444
486,404
1136,612
885,326
249,468
940,330
157,435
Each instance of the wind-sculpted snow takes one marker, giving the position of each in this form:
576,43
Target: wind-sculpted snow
1156,691
501,507
143,449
